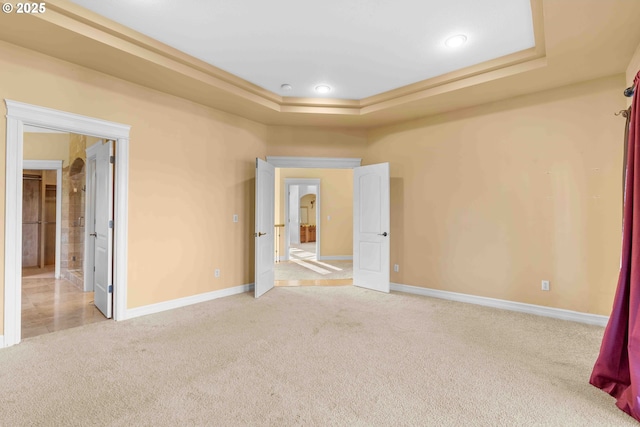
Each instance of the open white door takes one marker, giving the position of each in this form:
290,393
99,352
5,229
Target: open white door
103,232
265,226
371,227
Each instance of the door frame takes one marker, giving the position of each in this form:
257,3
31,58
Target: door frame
288,182
313,163
55,165
20,114
90,215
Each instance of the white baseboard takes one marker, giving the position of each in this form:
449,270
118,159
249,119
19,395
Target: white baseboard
183,302
336,258
1,341
556,313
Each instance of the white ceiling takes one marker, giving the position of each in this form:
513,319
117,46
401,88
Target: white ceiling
358,47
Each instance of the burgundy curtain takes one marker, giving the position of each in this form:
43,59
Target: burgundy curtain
617,370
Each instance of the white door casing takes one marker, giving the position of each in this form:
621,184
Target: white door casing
20,114
371,214
103,281
294,215
90,215
264,227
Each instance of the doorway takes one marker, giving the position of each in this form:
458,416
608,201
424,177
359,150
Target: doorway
20,115
370,220
316,212
302,218
53,302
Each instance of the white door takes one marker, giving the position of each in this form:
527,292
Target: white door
371,227
265,226
103,232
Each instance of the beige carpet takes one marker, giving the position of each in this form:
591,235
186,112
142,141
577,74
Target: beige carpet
311,356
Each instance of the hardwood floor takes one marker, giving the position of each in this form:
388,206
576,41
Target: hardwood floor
50,305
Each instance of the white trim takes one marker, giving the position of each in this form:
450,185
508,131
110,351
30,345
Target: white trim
18,115
336,258
55,165
539,310
314,162
89,215
1,341
65,122
34,129
186,301
121,229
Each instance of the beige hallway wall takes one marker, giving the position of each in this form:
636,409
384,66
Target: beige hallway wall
191,169
46,146
491,200
336,200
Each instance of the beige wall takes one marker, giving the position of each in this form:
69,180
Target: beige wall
315,142
491,200
191,169
336,200
486,201
632,69
46,146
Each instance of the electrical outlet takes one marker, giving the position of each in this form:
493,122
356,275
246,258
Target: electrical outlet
545,285
216,273
396,268
235,217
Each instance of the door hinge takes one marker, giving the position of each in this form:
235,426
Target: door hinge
110,223
94,268
112,159
110,289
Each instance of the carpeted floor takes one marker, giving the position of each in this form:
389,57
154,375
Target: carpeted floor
311,356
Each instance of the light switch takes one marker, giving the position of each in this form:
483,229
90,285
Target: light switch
235,217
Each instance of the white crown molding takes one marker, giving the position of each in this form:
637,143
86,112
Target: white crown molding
314,162
556,313
186,301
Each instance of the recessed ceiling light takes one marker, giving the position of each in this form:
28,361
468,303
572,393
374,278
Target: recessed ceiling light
456,41
323,89
286,87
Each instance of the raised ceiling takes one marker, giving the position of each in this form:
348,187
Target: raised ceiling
575,41
358,48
